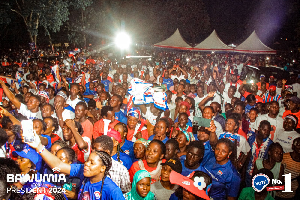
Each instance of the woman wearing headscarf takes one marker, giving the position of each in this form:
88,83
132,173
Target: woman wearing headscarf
136,129
140,187
139,149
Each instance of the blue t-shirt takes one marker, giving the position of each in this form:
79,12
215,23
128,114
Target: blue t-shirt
128,149
106,84
92,191
186,171
168,82
88,92
164,141
124,159
121,117
48,147
225,179
208,152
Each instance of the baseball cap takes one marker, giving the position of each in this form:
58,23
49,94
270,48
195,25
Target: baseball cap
262,75
188,184
31,154
115,134
175,164
295,99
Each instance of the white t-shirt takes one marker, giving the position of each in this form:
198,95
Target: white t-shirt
216,98
181,77
242,146
276,123
237,94
296,88
174,96
2,152
73,103
149,116
27,113
286,138
198,112
86,154
225,101
67,114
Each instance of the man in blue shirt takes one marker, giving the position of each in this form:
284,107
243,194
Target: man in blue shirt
105,81
115,103
194,154
167,80
89,92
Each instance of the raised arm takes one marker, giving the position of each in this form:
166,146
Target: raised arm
10,95
203,102
11,117
51,160
213,138
82,145
183,71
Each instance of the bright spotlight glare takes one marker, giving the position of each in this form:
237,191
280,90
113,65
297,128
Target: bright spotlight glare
122,40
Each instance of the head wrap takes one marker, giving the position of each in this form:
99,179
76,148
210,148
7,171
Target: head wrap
62,94
292,117
44,94
142,141
187,107
134,112
133,195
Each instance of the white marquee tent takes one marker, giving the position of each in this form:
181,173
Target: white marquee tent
212,43
254,45
174,42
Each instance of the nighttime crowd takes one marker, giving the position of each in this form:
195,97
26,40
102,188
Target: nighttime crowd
176,125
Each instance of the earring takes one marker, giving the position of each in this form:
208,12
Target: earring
228,156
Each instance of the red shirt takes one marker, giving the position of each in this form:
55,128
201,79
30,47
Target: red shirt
99,127
53,139
135,167
79,153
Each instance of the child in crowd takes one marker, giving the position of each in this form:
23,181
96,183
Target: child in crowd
172,149
252,115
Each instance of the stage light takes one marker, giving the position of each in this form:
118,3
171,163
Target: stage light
122,40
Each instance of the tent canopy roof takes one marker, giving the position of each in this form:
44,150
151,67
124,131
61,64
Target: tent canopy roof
254,45
212,43
175,41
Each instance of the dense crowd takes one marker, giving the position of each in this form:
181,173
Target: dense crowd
207,127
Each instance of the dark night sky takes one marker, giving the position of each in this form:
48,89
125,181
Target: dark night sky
234,20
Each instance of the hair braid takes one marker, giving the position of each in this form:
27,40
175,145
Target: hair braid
107,162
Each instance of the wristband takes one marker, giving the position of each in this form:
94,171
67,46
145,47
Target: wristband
43,149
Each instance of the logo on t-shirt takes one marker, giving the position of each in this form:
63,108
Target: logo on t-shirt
97,194
220,172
